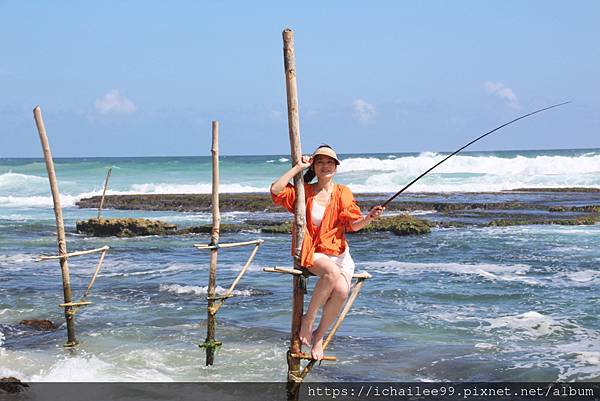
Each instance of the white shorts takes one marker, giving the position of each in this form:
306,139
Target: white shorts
343,261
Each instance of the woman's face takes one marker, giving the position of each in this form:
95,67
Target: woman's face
324,166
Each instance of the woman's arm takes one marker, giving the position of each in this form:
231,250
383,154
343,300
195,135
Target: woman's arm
365,220
278,185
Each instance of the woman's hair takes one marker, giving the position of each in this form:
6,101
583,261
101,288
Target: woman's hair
310,173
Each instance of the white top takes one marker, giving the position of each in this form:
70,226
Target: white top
317,213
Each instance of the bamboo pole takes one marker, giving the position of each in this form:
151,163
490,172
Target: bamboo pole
93,279
289,60
229,293
210,343
239,276
104,192
60,227
69,255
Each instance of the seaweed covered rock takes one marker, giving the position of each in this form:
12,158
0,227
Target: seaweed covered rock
575,221
183,202
399,225
42,325
277,228
125,227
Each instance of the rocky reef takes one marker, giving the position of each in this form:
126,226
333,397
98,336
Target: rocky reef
532,206
37,324
125,227
399,225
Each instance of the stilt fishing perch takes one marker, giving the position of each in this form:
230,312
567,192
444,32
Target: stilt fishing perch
468,144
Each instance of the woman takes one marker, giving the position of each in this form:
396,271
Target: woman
330,212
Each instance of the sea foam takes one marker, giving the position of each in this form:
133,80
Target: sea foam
532,324
196,290
467,173
517,165
199,188
516,272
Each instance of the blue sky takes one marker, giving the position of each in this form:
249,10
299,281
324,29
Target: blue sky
145,78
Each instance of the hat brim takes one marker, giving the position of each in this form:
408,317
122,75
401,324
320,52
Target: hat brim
326,152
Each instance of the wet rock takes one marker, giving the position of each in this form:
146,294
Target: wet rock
572,189
124,227
450,224
576,221
262,202
584,209
279,228
12,385
399,225
183,202
587,209
44,325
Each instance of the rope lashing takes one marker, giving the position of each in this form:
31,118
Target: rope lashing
211,344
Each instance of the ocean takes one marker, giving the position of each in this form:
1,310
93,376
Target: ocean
471,303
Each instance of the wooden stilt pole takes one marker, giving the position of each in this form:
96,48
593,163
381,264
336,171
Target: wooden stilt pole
104,192
210,344
60,228
300,207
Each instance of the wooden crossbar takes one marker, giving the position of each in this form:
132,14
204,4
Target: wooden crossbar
219,297
303,355
230,245
71,304
296,272
229,293
98,266
68,255
82,301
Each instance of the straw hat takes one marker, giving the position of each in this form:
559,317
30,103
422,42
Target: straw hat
326,151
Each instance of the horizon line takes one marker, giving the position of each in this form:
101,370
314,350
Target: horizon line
281,154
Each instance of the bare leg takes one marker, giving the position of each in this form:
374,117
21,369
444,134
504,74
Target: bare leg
331,309
329,274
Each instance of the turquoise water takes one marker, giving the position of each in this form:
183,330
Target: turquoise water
476,304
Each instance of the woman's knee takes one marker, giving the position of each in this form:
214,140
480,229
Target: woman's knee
325,268
341,289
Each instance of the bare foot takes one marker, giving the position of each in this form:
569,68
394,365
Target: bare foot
317,349
305,333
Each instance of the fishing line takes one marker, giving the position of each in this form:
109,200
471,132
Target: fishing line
468,144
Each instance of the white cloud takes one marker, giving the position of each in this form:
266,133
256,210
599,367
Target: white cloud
363,112
114,102
503,92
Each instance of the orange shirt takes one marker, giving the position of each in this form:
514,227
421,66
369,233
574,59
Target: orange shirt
329,238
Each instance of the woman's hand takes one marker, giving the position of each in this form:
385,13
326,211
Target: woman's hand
280,183
304,162
366,220
376,212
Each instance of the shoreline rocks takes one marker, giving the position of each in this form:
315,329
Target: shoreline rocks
130,227
443,210
124,227
12,385
42,325
261,202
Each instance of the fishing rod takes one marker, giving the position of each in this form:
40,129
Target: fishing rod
468,144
